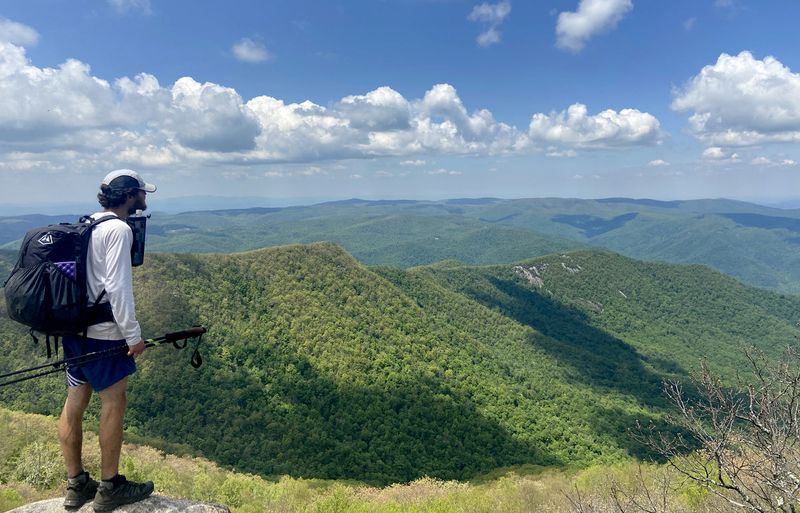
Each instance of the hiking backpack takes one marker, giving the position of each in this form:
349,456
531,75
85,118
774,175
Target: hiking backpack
47,288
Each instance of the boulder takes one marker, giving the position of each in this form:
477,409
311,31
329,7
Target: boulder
153,504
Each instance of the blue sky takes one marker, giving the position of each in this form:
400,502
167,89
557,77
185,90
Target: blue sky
401,98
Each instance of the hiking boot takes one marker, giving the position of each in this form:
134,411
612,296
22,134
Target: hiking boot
80,490
119,491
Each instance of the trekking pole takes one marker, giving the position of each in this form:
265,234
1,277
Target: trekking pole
76,361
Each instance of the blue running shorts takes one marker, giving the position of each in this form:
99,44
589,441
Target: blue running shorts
99,374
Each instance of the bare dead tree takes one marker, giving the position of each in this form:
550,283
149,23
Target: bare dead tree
644,497
741,441
583,503
648,490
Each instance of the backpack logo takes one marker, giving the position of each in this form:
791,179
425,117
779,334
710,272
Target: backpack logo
45,239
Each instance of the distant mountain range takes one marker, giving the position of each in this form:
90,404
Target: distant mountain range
756,244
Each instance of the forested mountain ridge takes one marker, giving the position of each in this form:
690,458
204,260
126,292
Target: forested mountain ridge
675,314
317,366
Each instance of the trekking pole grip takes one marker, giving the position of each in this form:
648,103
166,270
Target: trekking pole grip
192,332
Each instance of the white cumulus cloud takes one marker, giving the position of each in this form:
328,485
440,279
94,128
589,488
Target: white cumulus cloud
714,153
491,15
658,163
68,106
741,100
476,132
302,131
380,110
66,117
574,29
210,117
489,37
17,33
41,103
380,123
247,50
576,128
147,155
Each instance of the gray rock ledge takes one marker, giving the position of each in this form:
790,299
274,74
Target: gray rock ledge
153,504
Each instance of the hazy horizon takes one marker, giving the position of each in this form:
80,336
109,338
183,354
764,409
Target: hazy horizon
209,202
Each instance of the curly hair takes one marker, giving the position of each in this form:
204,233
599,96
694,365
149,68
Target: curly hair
111,198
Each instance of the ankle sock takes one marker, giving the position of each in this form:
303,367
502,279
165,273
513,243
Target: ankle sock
80,478
114,481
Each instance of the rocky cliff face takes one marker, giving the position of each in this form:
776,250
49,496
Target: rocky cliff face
154,504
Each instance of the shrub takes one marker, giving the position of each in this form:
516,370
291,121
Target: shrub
40,465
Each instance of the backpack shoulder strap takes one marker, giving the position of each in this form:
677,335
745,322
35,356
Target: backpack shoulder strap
98,312
94,222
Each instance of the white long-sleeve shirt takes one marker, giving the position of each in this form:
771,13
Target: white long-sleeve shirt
108,267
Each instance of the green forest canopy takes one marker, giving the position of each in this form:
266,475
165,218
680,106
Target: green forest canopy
316,366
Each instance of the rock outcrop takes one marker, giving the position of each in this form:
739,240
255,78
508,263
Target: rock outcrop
533,274
154,504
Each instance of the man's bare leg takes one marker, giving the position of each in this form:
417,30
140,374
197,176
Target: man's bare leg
70,427
115,490
113,401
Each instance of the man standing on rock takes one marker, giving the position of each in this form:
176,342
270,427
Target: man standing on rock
109,278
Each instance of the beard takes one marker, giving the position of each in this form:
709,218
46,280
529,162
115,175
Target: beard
140,204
